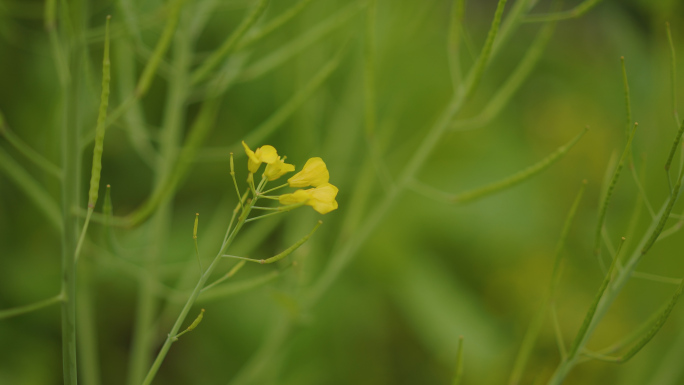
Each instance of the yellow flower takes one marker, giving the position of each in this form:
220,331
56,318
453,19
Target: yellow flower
314,173
277,169
321,198
264,154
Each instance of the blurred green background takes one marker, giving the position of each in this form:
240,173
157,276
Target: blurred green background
429,273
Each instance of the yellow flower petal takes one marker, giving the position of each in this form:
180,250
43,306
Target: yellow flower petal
267,154
314,173
296,197
277,169
324,193
253,163
321,198
323,207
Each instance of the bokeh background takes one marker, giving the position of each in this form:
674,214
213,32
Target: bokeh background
429,273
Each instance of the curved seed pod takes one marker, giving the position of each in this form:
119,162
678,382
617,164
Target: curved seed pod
100,128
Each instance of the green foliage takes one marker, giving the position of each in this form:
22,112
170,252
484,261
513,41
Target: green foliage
398,98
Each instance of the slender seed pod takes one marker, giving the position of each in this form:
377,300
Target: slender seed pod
197,321
190,328
100,128
519,176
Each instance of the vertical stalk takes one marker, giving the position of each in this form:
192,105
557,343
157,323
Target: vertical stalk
71,28
85,315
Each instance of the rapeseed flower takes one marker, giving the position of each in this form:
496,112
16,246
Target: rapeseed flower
264,154
277,169
321,198
314,173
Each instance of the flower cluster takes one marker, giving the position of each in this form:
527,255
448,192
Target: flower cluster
314,174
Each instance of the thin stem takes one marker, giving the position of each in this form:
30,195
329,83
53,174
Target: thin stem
81,238
276,120
559,334
87,325
673,74
369,69
245,259
281,210
29,153
454,41
619,282
47,205
193,297
267,208
273,198
232,176
272,25
228,275
628,102
240,205
15,311
72,25
194,238
273,189
609,193
534,328
285,253
192,326
459,363
507,90
518,177
242,286
656,278
578,11
159,50
672,230
642,191
220,54
582,333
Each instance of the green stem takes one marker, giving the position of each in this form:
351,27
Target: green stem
193,297
228,275
613,290
273,189
72,27
518,177
15,311
285,253
609,192
220,54
32,189
578,11
537,322
88,336
673,74
29,153
272,25
592,309
454,41
459,363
